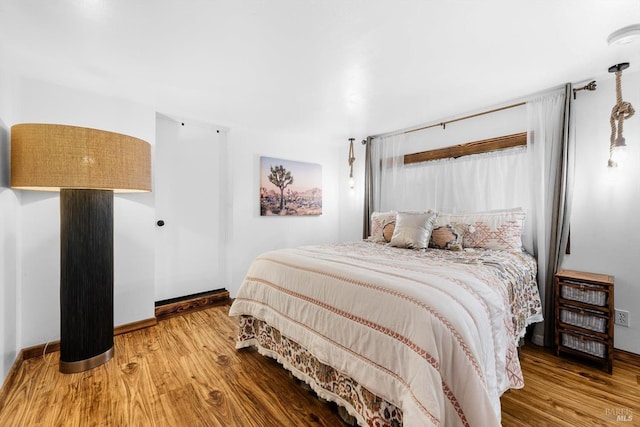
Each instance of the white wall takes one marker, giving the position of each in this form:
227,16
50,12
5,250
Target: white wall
604,221
253,234
10,343
9,205
39,218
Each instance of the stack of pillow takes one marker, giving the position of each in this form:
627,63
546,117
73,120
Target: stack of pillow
501,229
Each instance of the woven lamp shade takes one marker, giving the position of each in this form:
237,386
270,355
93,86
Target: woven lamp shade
49,157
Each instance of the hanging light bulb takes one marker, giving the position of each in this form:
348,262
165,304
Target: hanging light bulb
618,152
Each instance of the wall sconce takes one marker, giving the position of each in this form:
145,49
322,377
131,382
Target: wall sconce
352,159
621,111
86,166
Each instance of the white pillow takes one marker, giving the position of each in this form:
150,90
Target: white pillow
413,230
500,229
382,225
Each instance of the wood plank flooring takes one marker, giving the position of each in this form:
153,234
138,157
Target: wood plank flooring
185,371
567,392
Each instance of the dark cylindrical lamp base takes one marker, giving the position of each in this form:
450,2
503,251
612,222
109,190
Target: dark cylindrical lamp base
86,279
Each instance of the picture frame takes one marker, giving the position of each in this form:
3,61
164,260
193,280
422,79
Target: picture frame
290,188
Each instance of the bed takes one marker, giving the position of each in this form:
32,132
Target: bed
394,336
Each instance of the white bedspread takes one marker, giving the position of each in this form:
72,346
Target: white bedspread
433,335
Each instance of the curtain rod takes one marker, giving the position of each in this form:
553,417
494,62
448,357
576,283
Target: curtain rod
445,123
590,86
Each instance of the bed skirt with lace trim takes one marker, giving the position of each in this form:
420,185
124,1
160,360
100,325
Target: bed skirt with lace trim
329,384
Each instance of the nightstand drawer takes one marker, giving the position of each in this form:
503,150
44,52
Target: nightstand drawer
585,319
583,292
583,344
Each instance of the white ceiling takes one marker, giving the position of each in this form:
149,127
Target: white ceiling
338,67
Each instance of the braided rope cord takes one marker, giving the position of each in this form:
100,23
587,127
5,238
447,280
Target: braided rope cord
620,112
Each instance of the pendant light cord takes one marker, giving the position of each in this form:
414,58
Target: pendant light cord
620,112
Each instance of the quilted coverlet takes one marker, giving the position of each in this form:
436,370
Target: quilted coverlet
432,332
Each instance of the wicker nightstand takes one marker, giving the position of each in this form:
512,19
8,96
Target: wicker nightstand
584,316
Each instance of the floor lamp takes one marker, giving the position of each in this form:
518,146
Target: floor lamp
86,166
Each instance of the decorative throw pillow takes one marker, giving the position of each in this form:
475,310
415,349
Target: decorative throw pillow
448,237
387,230
413,230
500,229
382,226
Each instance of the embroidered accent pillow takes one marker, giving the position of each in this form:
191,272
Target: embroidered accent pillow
413,230
382,226
489,230
448,237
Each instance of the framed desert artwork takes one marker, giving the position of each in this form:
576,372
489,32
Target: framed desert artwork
290,188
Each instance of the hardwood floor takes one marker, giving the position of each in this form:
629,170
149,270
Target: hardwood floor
185,371
566,392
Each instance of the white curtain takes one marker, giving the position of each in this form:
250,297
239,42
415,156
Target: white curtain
498,180
538,179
